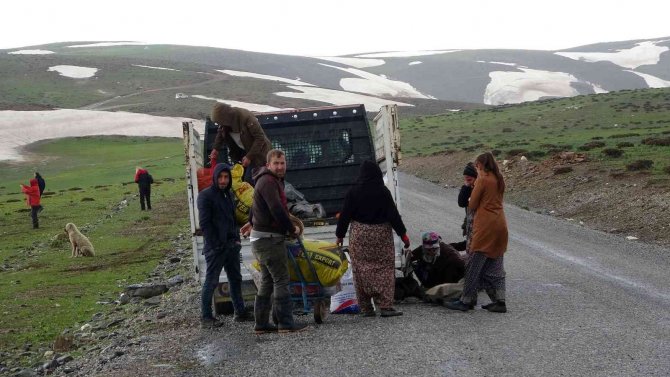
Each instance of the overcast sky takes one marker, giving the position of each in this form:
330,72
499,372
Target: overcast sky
318,27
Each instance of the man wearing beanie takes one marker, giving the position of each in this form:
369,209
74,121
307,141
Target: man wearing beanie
242,133
469,176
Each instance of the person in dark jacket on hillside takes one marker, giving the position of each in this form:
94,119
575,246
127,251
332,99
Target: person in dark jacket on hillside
144,181
33,200
435,262
42,185
269,225
222,245
241,132
370,209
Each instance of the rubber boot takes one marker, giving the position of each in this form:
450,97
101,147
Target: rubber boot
262,307
285,316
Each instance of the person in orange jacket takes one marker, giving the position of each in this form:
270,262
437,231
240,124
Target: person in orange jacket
33,200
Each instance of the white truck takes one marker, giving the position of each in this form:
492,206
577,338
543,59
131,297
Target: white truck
324,148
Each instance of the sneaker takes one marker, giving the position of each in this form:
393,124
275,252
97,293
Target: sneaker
458,305
297,327
267,329
390,312
210,323
496,307
243,317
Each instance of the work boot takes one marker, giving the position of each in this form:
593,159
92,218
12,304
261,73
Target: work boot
210,323
458,305
244,316
285,316
390,312
262,307
496,307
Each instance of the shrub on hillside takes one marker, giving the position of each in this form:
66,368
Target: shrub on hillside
625,144
515,152
591,145
536,155
597,138
640,165
666,169
662,141
612,152
621,136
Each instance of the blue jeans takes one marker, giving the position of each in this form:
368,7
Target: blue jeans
227,258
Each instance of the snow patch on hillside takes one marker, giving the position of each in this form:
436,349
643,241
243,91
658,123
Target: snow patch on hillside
245,105
369,83
162,68
501,63
31,52
414,62
20,128
652,81
643,53
338,97
404,54
74,71
528,85
263,77
109,44
353,62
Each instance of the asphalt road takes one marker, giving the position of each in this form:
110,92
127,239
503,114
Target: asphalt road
580,303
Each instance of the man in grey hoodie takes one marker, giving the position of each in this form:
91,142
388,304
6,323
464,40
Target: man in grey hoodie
222,245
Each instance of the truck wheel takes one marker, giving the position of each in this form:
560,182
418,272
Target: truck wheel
224,308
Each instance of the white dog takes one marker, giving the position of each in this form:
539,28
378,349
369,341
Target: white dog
81,246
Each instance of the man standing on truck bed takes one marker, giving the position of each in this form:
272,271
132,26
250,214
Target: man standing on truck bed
269,218
222,245
242,133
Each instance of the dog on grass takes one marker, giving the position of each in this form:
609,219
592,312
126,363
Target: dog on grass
81,246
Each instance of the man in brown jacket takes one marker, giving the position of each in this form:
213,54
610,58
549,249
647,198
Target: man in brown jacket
242,133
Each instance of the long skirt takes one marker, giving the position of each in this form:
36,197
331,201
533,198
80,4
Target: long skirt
483,273
372,256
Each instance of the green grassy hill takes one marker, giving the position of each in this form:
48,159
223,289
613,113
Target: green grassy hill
616,128
42,289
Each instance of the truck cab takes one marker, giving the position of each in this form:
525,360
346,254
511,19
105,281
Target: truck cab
324,148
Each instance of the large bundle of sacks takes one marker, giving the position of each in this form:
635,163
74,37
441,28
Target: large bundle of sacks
326,258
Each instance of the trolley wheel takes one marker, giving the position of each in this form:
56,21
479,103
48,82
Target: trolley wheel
320,311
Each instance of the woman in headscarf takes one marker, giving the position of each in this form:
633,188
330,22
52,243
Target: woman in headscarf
370,209
484,268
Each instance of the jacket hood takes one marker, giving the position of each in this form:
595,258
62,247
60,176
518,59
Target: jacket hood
226,115
263,170
217,171
33,182
370,173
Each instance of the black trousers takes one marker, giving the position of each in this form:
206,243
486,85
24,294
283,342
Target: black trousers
145,196
33,216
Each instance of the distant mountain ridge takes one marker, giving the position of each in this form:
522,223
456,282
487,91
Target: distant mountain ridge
175,80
